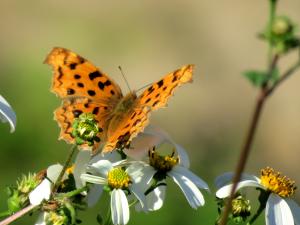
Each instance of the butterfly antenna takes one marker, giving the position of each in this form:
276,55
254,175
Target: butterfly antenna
120,68
147,85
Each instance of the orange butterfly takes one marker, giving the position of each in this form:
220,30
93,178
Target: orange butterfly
85,89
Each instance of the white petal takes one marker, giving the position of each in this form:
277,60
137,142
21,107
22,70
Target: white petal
189,189
81,162
53,172
7,114
41,192
41,219
119,207
295,208
225,191
191,176
136,171
278,211
94,194
151,136
226,178
113,156
183,156
101,167
139,194
155,199
93,179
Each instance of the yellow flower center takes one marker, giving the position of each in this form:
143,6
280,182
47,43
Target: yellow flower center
277,183
118,179
70,169
56,219
162,163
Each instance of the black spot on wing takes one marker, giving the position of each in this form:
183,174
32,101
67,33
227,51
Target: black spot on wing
112,92
107,83
94,75
101,85
77,113
155,103
150,90
77,76
60,73
73,66
91,93
86,105
81,85
70,91
133,115
164,88
160,83
148,100
96,110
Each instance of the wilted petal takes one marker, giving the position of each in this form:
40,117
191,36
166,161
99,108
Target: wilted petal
94,194
226,178
278,211
119,207
40,193
81,162
7,114
225,191
191,176
189,189
183,156
53,172
295,208
136,171
151,136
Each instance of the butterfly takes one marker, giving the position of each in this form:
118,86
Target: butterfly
84,88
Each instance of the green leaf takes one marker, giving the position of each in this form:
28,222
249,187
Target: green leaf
258,78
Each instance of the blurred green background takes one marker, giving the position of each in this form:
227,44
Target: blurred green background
149,39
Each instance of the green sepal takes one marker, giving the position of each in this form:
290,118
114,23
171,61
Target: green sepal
14,202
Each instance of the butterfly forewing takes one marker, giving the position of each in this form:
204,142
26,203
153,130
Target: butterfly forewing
158,93
75,76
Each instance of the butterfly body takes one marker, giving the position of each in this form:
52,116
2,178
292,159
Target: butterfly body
85,89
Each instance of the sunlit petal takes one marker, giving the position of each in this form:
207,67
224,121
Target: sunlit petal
40,193
93,179
189,189
53,172
7,114
139,194
119,207
101,167
155,199
226,178
295,208
191,176
225,191
278,211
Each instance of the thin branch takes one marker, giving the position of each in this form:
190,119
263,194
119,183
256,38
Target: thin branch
17,215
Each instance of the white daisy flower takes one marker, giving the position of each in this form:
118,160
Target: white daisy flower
160,167
7,114
120,182
280,210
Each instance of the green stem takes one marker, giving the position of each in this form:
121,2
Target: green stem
17,215
66,165
270,24
75,192
108,220
257,214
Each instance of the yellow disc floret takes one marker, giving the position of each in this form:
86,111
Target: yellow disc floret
118,178
162,163
277,183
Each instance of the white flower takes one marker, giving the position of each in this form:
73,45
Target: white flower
43,190
120,181
280,210
175,167
7,114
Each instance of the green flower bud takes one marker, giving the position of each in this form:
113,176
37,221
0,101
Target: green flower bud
85,129
27,183
241,207
282,26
